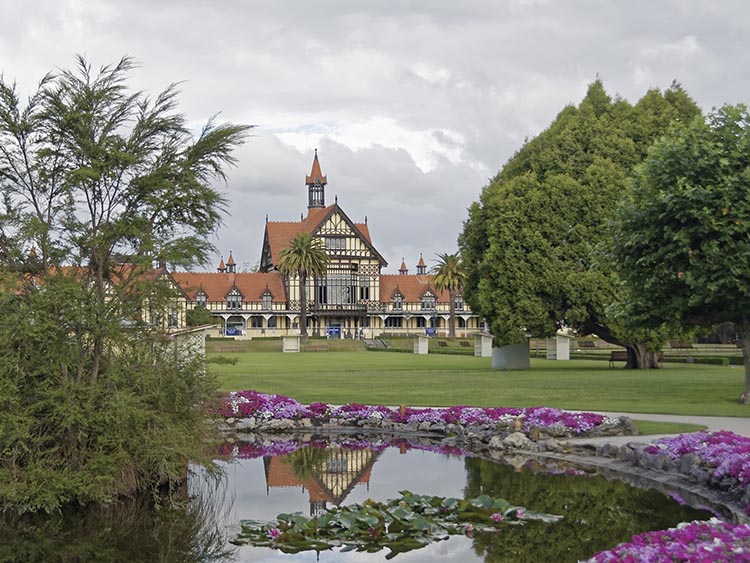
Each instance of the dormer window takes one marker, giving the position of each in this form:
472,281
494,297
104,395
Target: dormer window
267,300
428,301
398,302
234,300
458,303
201,298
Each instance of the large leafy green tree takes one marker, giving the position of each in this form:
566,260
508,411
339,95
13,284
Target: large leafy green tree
99,182
448,275
683,236
304,258
531,242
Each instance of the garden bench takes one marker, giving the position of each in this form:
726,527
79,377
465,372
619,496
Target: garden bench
465,344
617,356
442,343
679,344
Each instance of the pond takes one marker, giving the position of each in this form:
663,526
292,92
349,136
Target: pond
260,482
597,513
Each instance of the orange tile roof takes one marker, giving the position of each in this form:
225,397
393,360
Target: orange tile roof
411,287
230,262
216,285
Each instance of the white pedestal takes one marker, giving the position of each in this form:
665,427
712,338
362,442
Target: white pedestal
513,356
290,344
421,345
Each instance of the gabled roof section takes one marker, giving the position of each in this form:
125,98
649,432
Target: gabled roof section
217,285
279,233
234,290
411,287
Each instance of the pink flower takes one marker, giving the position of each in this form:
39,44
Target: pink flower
520,513
469,529
496,517
274,533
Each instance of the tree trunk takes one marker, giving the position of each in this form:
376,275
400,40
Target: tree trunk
452,317
745,398
640,358
303,307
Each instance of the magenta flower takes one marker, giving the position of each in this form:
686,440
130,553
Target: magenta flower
273,534
496,517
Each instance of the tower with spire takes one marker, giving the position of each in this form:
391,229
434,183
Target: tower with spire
316,183
421,266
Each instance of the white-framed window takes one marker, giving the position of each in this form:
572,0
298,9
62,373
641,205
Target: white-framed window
458,303
428,301
267,299
201,298
335,243
398,302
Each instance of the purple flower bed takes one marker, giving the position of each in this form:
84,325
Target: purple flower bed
727,452
713,541
244,404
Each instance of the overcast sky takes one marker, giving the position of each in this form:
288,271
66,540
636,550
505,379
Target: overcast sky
412,105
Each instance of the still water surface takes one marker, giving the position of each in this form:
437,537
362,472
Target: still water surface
597,513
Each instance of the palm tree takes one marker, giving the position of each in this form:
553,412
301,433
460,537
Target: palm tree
305,256
448,274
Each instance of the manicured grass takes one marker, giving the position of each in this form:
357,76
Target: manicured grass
646,427
444,380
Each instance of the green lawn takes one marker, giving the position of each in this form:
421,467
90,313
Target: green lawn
444,380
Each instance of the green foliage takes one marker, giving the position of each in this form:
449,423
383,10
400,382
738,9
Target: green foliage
400,525
99,182
682,237
449,275
199,316
531,245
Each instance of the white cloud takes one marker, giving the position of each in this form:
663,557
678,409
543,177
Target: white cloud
413,105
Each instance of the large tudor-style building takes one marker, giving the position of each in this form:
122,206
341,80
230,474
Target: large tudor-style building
353,299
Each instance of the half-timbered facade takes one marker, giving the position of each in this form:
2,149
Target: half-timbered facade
352,299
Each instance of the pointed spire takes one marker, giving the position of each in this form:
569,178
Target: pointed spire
316,176
266,217
336,199
421,267
222,268
403,270
230,262
366,223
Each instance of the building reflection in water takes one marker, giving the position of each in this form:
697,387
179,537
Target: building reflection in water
327,474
